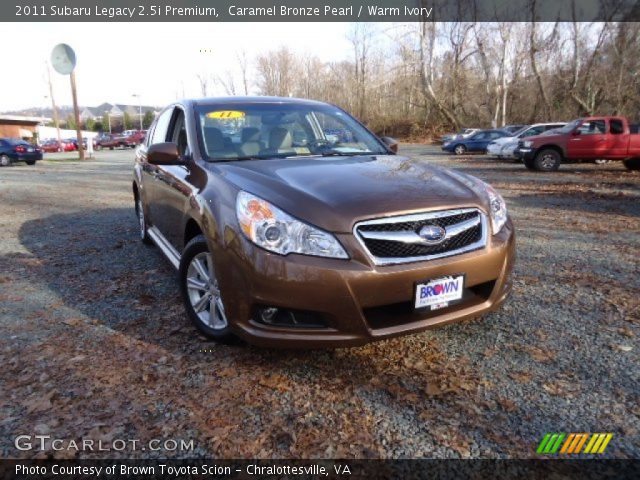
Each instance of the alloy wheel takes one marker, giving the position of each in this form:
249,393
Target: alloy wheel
548,161
5,161
204,293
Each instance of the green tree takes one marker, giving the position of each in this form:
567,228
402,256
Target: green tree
90,124
147,120
127,123
106,122
71,123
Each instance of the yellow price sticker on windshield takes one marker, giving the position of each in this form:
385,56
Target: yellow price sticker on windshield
226,114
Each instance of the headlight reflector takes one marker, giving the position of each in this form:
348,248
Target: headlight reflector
272,229
527,143
497,209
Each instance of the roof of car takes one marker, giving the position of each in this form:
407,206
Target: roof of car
251,99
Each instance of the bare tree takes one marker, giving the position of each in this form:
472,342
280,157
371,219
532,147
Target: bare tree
203,80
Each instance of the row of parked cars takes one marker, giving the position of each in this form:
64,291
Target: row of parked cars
544,146
126,139
14,150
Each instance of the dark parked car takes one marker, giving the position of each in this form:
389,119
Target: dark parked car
477,142
319,241
16,150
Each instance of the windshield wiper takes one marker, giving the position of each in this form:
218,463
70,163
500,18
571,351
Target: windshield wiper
345,154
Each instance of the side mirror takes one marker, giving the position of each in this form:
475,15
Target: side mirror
391,143
163,154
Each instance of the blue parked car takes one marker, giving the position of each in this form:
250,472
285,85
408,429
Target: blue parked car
475,143
17,150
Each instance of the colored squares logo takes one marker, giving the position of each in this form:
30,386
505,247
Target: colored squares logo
573,443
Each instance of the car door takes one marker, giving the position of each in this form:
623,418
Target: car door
492,137
150,173
618,139
172,186
477,142
589,140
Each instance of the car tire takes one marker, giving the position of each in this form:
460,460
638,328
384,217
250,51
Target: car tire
30,162
5,161
142,223
200,292
460,149
547,160
110,148
632,163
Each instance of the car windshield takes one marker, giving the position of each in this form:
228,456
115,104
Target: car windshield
569,127
282,130
519,132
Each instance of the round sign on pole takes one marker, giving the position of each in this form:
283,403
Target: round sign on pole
63,59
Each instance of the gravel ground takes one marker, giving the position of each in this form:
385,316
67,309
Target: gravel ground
95,344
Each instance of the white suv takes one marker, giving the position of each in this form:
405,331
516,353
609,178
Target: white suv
497,147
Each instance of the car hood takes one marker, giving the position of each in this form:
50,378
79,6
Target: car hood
505,140
334,193
545,138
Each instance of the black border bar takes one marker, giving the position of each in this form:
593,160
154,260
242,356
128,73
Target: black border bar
332,469
319,10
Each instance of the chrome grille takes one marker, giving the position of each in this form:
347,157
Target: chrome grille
396,239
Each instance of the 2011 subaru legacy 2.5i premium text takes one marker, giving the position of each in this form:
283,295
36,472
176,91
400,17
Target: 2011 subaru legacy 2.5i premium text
292,225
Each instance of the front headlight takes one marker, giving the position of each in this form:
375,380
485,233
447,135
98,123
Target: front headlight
497,209
272,229
527,143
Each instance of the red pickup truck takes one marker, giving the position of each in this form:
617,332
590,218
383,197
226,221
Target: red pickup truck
584,139
126,139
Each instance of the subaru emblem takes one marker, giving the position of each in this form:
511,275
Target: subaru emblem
432,234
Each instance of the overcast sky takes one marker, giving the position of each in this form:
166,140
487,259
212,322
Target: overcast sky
156,60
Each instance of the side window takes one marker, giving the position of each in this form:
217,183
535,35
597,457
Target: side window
592,127
178,133
162,125
495,135
615,126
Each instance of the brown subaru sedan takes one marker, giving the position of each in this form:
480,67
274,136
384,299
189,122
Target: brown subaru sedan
292,225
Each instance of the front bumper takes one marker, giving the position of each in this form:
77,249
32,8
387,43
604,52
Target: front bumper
359,301
525,153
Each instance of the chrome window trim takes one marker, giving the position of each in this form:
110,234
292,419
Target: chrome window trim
416,217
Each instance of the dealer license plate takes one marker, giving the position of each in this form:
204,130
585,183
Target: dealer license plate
439,293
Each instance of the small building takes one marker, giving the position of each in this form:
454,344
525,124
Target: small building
17,126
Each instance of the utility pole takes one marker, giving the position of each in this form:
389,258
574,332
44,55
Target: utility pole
76,112
139,97
109,122
56,121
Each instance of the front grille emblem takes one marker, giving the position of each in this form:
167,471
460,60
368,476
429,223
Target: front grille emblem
432,234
